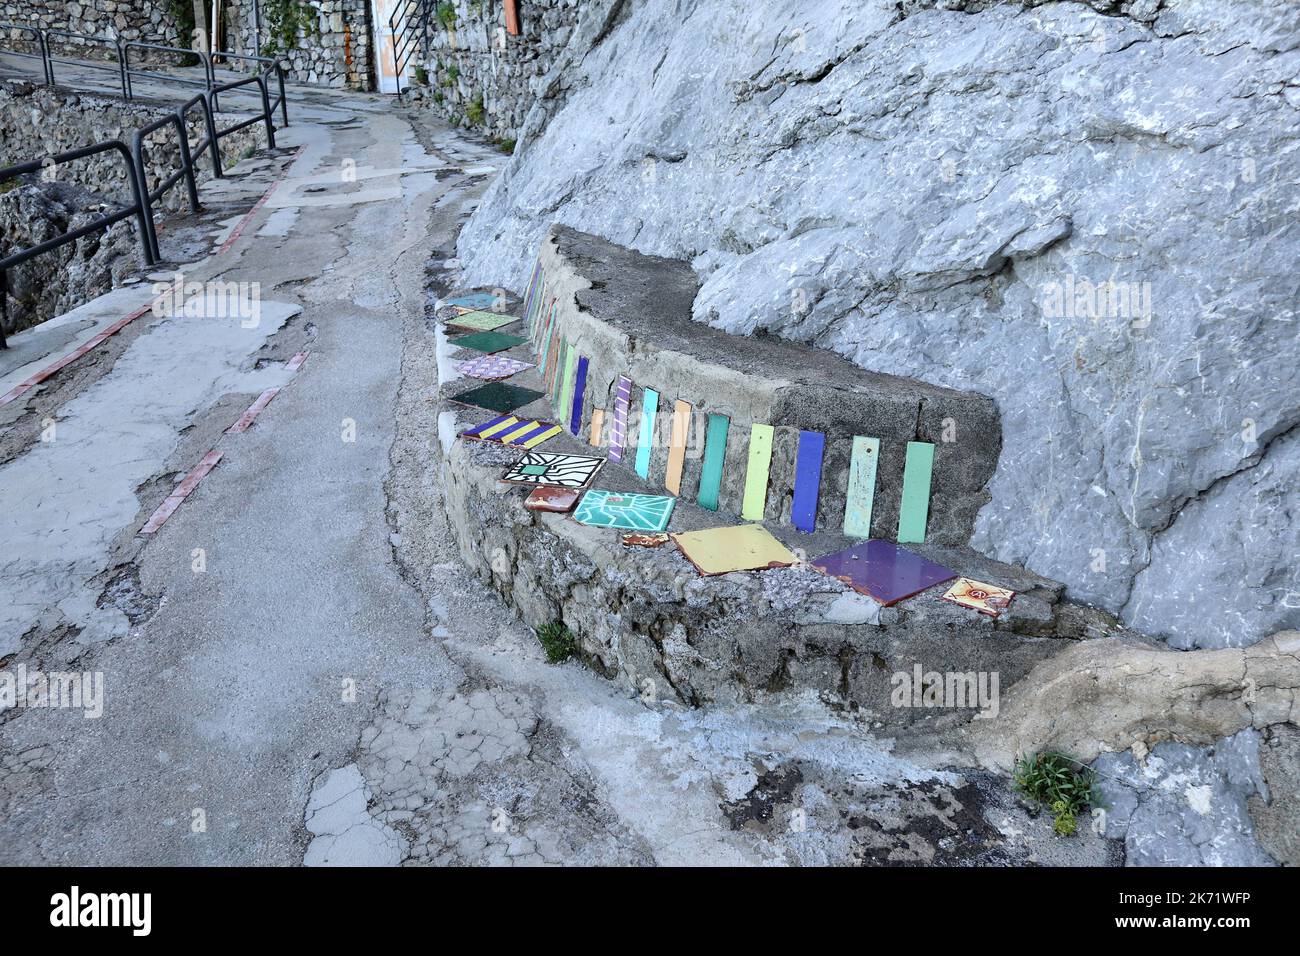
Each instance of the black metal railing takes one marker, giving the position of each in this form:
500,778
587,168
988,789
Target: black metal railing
122,65
144,198
409,28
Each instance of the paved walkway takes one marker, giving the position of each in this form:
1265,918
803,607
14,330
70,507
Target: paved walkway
295,667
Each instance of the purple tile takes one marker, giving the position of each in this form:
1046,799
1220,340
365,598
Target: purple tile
883,570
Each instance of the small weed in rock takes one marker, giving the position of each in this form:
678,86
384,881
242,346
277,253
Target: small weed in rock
1057,782
558,641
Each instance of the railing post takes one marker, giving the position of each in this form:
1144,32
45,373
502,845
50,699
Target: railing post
214,144
122,70
284,100
49,56
44,44
142,197
266,111
4,306
187,163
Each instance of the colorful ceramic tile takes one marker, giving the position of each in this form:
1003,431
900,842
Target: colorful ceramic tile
564,399
862,487
715,452
986,598
623,509
481,321
915,506
542,341
618,437
807,480
883,570
498,397
472,300
488,342
646,440
746,547
760,460
597,427
558,471
555,346
677,446
559,500
517,432
579,389
491,367
644,539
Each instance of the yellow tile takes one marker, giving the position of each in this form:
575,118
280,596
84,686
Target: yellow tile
747,547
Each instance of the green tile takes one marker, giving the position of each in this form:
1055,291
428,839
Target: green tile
498,396
715,450
481,321
862,487
488,342
644,445
915,507
566,388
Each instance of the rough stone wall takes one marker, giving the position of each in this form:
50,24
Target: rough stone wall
336,52
1078,209
151,21
480,76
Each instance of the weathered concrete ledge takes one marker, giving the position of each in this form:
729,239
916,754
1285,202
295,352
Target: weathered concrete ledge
630,314
647,618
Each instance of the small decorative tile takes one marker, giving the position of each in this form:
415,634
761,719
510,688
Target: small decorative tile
488,342
498,397
986,598
560,471
746,547
559,500
516,432
625,509
481,321
883,570
472,300
644,539
491,367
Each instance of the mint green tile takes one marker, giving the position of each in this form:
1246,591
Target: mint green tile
915,507
715,450
862,487
649,409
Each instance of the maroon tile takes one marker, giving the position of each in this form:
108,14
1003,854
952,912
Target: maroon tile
552,499
883,570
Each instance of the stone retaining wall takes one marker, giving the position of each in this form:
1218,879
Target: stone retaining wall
482,77
645,616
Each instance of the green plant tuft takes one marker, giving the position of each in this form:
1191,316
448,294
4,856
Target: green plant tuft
284,20
447,14
506,146
1061,784
558,641
474,109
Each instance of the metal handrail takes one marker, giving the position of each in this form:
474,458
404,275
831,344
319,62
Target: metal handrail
51,59
267,116
122,56
136,208
186,172
40,45
142,206
209,78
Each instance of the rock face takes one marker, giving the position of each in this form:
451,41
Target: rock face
1045,203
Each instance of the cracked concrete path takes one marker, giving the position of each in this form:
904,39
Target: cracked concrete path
296,669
